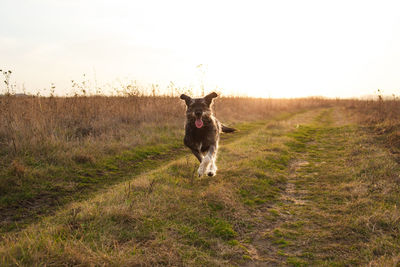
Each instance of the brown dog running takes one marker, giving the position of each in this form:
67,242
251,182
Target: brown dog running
202,131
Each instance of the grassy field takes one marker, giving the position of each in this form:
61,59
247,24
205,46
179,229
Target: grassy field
55,150
304,182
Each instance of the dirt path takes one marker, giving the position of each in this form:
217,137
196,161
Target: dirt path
339,207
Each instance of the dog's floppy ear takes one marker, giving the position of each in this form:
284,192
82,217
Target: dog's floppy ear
187,99
208,98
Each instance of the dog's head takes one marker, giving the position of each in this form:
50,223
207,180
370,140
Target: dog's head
199,109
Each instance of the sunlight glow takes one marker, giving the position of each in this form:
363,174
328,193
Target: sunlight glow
255,48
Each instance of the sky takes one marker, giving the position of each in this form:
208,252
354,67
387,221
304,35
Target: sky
255,48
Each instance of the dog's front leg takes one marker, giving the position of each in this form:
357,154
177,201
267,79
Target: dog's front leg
204,165
212,154
212,169
206,161
198,155
203,162
208,164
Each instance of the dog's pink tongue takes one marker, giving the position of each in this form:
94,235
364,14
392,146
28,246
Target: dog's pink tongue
199,123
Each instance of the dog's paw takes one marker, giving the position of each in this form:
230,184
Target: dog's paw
212,170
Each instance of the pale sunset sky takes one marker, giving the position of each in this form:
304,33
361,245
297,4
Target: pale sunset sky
256,48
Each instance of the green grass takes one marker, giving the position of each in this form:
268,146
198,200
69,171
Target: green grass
47,186
167,212
335,222
38,187
297,191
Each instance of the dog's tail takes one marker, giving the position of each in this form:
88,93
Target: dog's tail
226,129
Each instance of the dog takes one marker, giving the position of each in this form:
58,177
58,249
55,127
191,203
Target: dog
202,132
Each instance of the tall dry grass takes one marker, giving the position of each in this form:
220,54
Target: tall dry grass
381,115
40,126
35,124
54,149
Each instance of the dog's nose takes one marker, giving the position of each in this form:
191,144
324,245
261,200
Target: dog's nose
198,113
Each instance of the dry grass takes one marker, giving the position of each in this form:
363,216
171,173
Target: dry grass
292,189
179,222
382,116
54,149
33,124
339,207
296,190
